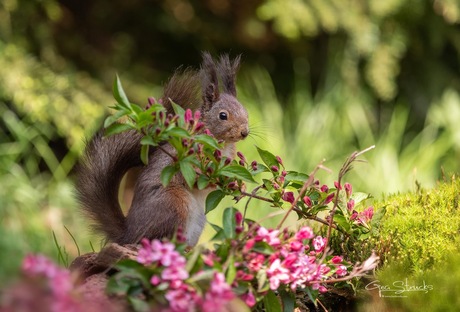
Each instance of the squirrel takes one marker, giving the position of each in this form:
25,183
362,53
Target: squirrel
156,211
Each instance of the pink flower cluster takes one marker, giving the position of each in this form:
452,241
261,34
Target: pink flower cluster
60,281
172,275
293,262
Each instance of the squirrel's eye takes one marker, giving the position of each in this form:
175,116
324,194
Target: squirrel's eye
223,116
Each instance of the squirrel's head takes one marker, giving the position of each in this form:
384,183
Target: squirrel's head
223,114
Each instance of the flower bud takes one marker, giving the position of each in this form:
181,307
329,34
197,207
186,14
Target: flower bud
197,115
274,168
329,199
324,188
280,161
188,115
289,197
351,205
348,189
307,201
238,217
337,185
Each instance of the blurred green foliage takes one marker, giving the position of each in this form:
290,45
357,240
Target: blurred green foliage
320,79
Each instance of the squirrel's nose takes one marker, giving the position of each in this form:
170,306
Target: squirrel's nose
244,133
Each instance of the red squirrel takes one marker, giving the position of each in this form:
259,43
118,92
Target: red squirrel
157,211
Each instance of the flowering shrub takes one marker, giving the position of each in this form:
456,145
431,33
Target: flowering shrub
249,262
60,282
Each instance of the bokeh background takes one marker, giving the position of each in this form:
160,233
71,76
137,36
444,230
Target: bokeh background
320,78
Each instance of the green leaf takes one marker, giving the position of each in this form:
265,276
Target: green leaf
112,118
167,173
272,303
312,294
268,158
188,172
119,94
178,109
143,119
138,304
145,154
148,140
207,141
342,221
231,271
296,177
287,299
117,128
262,284
178,132
229,222
213,199
202,182
359,197
238,172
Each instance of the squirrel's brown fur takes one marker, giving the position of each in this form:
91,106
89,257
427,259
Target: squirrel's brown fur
158,211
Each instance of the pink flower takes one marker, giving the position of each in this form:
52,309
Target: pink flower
324,188
348,189
307,201
304,233
39,264
188,116
256,262
369,213
180,299
289,197
197,115
319,243
341,270
289,260
249,299
295,246
274,168
277,274
268,236
174,273
155,280
351,205
243,276
279,160
249,244
329,198
238,218
218,295
337,260
337,185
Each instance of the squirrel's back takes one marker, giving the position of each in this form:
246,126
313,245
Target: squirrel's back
107,159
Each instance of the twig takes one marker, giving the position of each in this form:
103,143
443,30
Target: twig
347,166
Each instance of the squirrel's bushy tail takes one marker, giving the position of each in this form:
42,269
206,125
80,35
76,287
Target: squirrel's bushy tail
99,173
107,159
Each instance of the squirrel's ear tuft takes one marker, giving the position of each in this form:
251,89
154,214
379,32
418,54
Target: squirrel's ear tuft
227,71
210,81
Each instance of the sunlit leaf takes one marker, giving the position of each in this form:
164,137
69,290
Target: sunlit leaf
119,94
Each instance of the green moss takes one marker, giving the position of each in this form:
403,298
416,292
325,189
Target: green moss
422,226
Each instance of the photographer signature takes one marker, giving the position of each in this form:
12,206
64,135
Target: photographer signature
398,289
